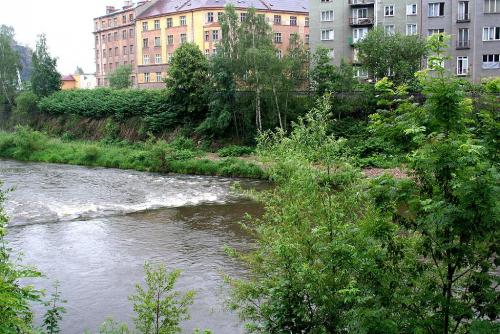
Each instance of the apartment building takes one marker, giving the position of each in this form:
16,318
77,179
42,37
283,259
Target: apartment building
168,23
114,35
474,26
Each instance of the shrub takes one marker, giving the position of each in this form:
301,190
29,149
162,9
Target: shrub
236,151
28,141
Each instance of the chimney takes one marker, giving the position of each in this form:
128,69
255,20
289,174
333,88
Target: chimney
110,9
128,3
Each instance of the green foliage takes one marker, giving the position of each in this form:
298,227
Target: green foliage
53,315
328,78
45,79
493,85
236,151
110,326
26,105
121,77
186,81
10,64
385,54
158,309
27,141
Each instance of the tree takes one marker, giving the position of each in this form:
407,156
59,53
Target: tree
385,54
451,223
45,79
159,310
10,65
186,81
121,77
78,70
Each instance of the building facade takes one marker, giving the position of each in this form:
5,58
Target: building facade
114,35
474,26
168,23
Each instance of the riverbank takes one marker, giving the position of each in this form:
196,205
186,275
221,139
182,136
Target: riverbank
179,156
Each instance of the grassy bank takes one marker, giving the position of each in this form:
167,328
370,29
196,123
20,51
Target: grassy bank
179,156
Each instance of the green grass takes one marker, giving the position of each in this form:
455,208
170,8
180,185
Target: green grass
177,157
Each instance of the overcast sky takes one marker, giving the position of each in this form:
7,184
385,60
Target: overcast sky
68,25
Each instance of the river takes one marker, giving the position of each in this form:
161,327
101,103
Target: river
93,228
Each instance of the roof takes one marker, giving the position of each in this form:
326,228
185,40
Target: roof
163,7
68,78
122,10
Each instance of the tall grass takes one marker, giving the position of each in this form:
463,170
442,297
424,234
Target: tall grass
179,156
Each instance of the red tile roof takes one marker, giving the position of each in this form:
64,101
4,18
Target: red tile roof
68,78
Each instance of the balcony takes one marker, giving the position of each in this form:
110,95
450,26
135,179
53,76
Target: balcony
463,17
361,21
361,2
463,44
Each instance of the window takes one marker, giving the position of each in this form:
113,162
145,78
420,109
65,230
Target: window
110,67
463,11
104,53
116,35
463,39
97,39
214,52
158,58
125,50
103,38
145,60
491,6
293,20
411,9
215,35
170,22
435,31
131,17
97,27
131,49
110,52
307,21
117,53
144,26
124,19
210,17
326,34
109,38
146,77
243,17
462,65
219,16
125,63
124,34
115,21
207,36
277,37
131,33
307,39
109,23
491,62
183,38
389,29
491,34
170,56
279,54
157,24
411,29
436,9
157,41
389,10
331,53
158,77
207,53
145,43
103,24
277,19
182,21
170,39
359,34
327,15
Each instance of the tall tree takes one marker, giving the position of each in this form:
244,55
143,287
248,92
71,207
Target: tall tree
121,77
393,55
78,70
45,79
10,65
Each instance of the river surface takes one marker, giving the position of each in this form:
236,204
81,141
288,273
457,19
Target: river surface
93,228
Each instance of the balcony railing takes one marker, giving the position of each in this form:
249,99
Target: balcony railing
463,17
361,2
361,21
463,44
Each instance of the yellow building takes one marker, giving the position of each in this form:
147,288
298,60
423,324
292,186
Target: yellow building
167,23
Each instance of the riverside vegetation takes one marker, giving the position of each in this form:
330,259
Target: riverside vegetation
337,253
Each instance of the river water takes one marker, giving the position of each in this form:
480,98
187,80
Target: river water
93,228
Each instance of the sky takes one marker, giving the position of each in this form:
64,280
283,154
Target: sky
67,24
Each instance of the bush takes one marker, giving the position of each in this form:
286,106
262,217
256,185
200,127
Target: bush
236,151
26,104
28,141
493,85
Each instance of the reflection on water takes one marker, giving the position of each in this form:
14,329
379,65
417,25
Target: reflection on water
93,228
